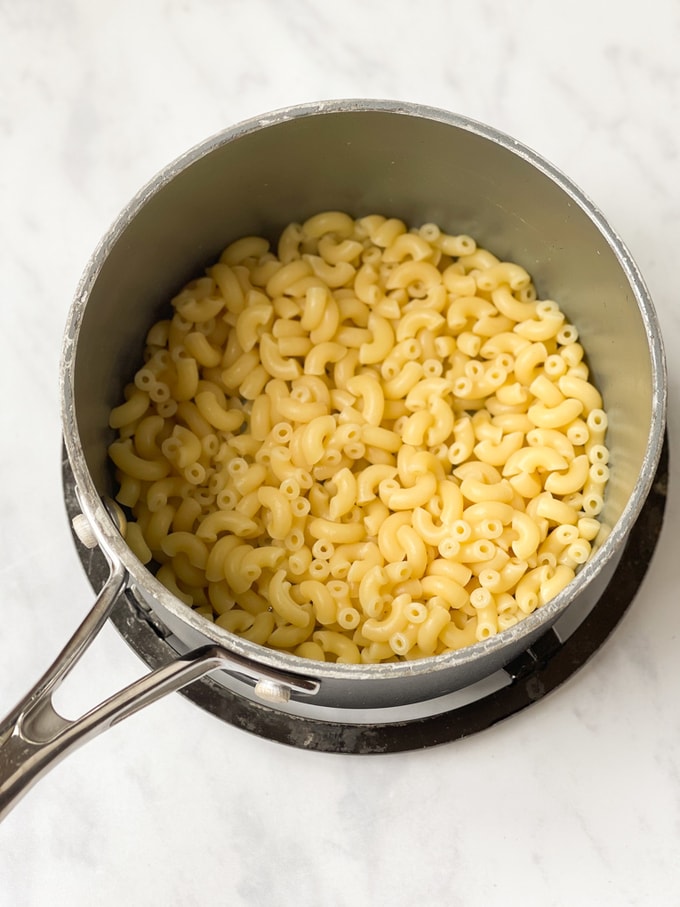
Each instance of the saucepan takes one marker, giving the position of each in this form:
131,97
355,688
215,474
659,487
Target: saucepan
402,160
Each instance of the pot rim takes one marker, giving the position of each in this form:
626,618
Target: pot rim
113,544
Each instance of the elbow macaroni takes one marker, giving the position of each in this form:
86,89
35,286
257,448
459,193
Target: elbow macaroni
376,444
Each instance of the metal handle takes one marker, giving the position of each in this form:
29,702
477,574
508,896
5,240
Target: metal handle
34,737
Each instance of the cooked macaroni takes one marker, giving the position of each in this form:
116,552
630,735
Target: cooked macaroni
368,444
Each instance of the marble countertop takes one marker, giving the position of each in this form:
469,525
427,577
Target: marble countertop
573,801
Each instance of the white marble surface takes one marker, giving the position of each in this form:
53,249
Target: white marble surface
574,801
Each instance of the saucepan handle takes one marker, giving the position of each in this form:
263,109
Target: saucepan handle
34,737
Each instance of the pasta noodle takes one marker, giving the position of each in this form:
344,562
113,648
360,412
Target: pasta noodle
374,444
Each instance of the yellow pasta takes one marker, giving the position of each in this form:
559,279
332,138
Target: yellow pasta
382,342
372,444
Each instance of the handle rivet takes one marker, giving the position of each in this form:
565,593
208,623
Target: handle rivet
271,691
82,528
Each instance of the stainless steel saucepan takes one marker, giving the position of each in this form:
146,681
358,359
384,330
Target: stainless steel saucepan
404,160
